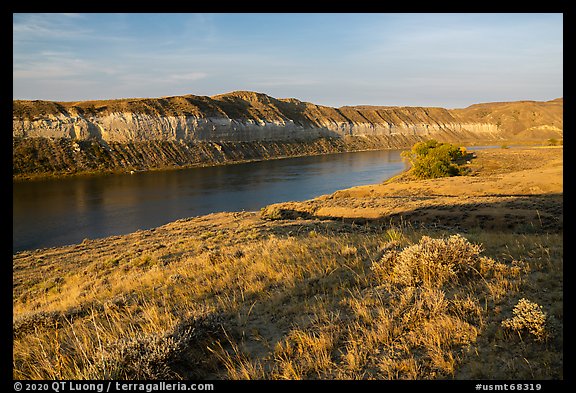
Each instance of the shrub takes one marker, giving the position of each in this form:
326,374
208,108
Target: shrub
272,213
554,142
528,317
433,262
160,355
431,159
146,356
282,211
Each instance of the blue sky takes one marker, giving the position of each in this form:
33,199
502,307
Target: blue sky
446,60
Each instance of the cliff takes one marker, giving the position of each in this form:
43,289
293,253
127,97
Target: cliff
249,116
161,132
41,157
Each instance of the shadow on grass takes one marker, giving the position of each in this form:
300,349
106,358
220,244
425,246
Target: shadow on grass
514,213
209,346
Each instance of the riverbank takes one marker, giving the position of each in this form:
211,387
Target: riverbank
49,158
506,188
66,211
42,158
314,289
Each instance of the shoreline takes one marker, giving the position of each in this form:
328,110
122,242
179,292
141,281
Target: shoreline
321,280
303,208
42,177
405,169
343,148
68,158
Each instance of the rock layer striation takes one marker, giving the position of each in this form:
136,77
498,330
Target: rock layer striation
145,133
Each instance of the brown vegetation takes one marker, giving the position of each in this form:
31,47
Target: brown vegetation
404,280
34,158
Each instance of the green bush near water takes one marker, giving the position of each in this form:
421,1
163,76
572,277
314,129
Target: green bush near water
432,159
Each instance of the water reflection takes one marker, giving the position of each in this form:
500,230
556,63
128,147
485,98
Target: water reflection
65,211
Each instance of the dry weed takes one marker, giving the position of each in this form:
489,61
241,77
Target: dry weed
528,317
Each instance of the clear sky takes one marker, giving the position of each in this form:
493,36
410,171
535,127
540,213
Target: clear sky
446,60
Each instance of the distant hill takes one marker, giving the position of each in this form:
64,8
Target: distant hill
522,119
249,116
54,138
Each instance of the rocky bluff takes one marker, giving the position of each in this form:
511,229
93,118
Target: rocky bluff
145,133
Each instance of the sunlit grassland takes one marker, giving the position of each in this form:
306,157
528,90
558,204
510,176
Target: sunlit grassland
348,304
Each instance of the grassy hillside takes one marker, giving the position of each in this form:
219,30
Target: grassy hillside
411,279
523,119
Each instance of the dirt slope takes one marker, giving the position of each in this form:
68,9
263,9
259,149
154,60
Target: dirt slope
302,290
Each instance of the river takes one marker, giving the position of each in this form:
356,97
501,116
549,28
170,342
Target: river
58,212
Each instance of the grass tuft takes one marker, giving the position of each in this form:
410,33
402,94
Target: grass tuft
308,304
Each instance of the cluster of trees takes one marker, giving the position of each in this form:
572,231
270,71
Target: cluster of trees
432,159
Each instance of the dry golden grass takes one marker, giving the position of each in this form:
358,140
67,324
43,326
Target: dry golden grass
312,306
233,296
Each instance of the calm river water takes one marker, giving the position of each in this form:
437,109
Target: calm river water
66,211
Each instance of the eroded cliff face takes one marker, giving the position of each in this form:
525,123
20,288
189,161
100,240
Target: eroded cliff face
169,131
137,127
41,157
247,116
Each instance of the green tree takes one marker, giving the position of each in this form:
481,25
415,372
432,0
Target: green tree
432,159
